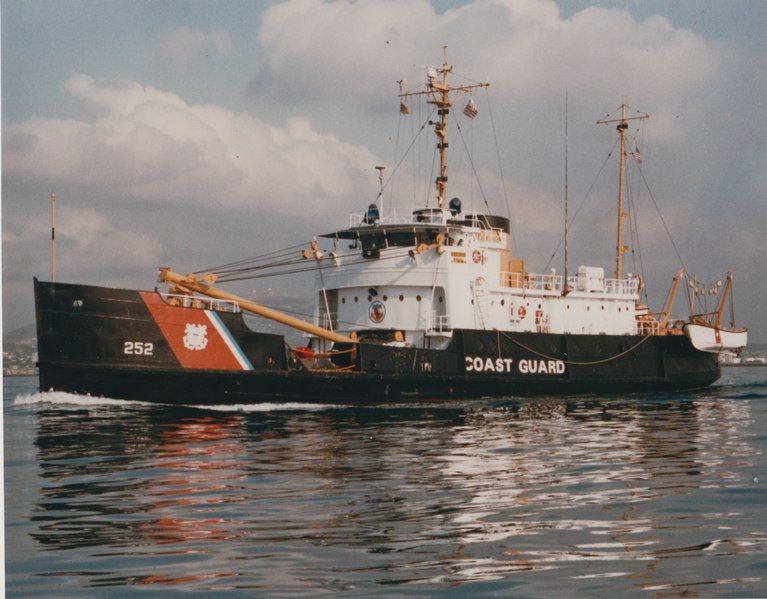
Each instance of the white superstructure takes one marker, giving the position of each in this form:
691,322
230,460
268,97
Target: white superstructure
427,271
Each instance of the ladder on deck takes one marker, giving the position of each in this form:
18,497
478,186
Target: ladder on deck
481,302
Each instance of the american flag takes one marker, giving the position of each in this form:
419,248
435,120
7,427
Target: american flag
471,109
637,155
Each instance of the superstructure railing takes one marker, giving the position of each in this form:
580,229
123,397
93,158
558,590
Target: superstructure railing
539,282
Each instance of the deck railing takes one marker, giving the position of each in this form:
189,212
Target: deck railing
648,327
400,215
201,303
328,321
440,323
574,283
418,215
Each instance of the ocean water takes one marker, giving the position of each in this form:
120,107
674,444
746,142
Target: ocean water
625,495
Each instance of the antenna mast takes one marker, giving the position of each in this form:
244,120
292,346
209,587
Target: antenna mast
438,90
53,237
622,127
565,288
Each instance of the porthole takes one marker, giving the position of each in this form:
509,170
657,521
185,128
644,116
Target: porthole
568,306
356,299
418,298
385,297
440,299
588,308
472,302
370,298
603,307
539,306
402,298
503,302
343,300
78,303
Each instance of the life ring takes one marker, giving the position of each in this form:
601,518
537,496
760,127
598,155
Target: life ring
476,256
522,312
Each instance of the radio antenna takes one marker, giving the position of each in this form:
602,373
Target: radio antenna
53,237
565,288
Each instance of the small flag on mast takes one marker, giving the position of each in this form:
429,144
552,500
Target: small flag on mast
403,109
471,109
637,155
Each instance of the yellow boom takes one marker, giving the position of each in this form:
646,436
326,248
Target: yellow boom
666,314
203,285
720,309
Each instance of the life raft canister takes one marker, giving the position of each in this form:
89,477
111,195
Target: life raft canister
303,352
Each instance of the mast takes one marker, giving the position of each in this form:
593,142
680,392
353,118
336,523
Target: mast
565,288
53,237
622,127
438,90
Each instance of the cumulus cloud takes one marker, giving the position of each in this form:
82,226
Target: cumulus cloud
182,46
147,146
525,47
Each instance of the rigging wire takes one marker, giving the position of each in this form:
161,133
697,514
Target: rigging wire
272,254
473,170
289,262
583,201
665,226
417,136
305,269
500,171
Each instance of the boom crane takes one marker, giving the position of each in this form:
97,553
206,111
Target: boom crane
666,314
204,285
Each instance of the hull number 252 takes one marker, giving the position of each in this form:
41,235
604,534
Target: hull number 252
138,348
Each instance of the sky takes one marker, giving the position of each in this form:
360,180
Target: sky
189,133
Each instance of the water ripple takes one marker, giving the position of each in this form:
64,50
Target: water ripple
500,496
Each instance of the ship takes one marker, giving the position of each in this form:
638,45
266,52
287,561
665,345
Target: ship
422,302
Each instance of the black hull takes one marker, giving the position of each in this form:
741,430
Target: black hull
84,332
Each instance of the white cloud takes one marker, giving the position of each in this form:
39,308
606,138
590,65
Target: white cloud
182,46
148,146
525,47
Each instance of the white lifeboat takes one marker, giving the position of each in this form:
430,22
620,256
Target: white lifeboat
715,339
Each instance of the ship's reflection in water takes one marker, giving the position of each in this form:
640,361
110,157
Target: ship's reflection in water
522,496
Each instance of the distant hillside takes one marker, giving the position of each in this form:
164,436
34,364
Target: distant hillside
27,333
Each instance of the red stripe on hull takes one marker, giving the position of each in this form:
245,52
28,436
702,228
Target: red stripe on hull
191,335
